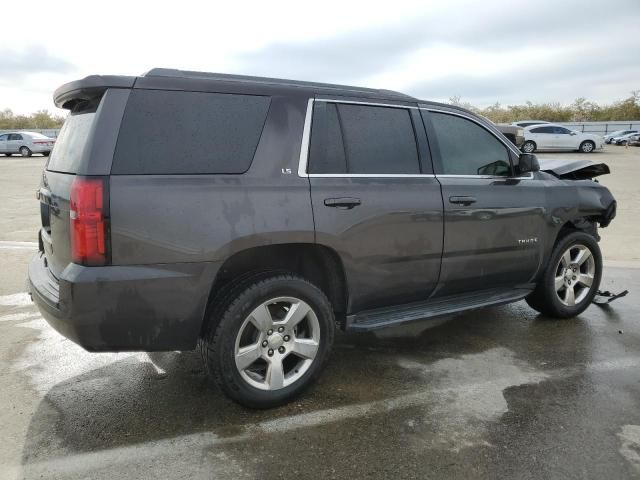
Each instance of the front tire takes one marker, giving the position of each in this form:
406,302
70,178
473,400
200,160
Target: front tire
529,147
268,340
571,278
25,152
587,146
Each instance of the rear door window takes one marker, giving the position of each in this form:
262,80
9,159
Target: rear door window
542,130
168,132
362,139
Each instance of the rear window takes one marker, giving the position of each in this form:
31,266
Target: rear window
67,152
166,132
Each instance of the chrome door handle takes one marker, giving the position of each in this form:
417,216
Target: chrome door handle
346,203
462,200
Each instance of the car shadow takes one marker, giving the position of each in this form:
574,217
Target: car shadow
133,402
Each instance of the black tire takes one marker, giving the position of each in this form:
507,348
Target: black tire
529,146
225,319
25,152
545,299
587,146
45,154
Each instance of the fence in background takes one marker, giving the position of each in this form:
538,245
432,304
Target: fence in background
49,132
599,128
602,128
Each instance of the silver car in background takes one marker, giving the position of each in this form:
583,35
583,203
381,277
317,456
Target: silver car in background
25,143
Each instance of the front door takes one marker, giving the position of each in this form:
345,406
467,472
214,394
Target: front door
3,143
565,138
493,220
375,200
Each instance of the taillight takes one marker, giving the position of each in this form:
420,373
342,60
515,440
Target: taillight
88,211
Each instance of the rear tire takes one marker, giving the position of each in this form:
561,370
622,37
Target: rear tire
25,152
587,146
529,147
571,278
45,154
256,348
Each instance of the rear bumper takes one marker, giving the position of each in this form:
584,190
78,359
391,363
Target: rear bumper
40,148
124,308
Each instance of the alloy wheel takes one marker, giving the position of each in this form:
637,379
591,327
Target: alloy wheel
587,147
575,274
277,343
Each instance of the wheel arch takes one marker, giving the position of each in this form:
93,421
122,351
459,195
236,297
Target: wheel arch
316,263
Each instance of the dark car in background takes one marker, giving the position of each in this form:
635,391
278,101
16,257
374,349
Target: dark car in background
252,216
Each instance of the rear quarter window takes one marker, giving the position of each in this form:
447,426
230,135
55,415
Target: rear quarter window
166,132
66,156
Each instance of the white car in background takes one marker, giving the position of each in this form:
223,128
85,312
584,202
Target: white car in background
25,143
550,136
608,138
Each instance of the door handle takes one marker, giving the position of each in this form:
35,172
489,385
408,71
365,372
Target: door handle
346,203
462,200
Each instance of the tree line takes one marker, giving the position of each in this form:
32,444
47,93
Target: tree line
40,120
581,110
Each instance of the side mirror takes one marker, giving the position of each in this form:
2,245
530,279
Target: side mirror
573,133
528,162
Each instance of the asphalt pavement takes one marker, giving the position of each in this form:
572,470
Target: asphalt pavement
495,393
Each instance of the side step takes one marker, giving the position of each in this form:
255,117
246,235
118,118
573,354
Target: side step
399,314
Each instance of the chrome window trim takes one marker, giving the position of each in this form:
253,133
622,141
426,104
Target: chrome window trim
509,145
304,146
485,177
374,104
306,138
371,175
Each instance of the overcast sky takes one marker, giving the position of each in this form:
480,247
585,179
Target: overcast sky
506,51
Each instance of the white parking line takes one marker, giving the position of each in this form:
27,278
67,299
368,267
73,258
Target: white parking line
12,317
16,300
10,245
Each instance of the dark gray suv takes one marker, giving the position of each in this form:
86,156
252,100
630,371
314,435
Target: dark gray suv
251,216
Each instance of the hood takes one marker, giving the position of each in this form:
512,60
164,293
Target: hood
573,169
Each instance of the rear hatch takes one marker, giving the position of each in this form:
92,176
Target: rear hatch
58,178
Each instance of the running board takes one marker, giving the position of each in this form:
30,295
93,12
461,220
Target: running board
400,314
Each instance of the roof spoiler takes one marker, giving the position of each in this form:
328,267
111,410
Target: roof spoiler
70,94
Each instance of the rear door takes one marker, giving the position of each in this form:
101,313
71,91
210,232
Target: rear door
14,143
493,219
375,199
